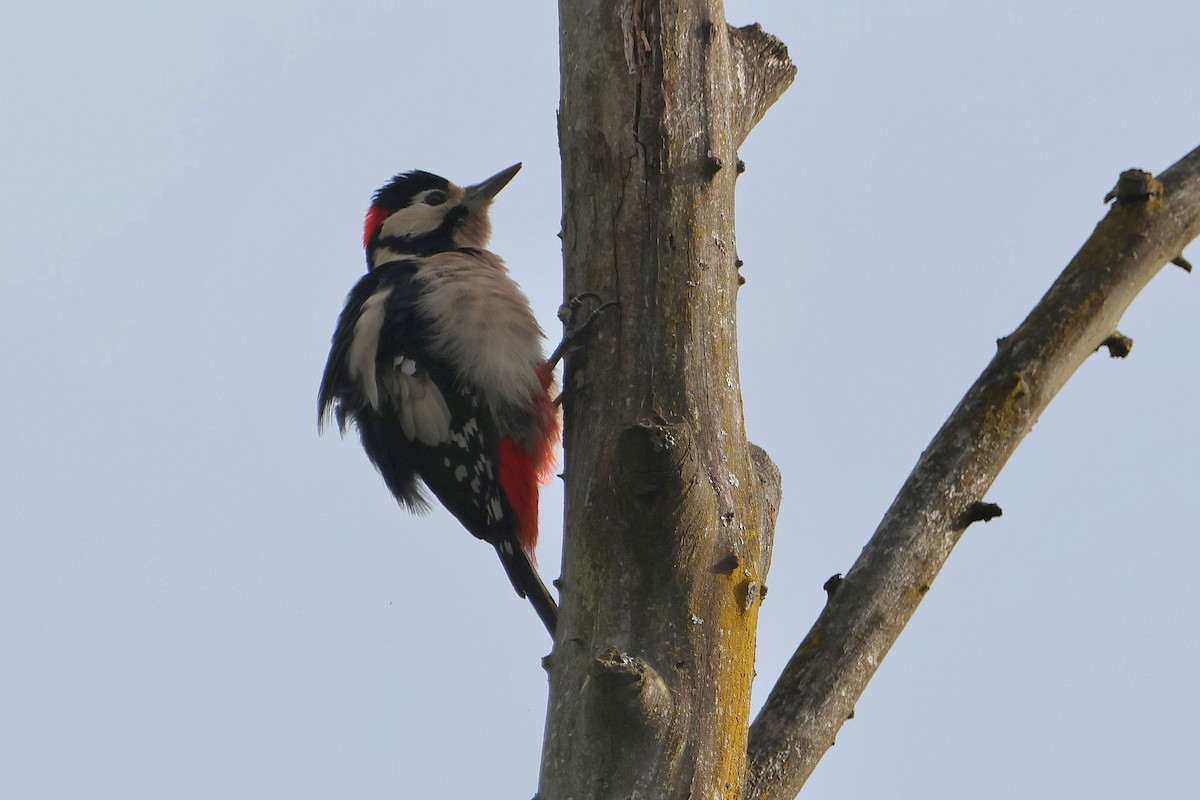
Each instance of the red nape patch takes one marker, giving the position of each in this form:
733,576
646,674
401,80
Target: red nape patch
519,479
375,218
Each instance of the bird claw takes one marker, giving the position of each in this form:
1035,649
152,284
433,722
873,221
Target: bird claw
570,341
567,313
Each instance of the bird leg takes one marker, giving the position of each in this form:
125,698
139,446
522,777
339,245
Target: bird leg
567,313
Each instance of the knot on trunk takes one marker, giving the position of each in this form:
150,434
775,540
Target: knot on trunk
656,466
627,698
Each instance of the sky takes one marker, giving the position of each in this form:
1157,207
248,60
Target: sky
201,598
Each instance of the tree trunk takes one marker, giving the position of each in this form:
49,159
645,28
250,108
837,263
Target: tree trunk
667,531
669,510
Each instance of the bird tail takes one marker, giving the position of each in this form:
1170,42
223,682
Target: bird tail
527,582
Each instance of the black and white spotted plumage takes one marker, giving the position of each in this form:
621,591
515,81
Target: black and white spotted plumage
460,463
437,361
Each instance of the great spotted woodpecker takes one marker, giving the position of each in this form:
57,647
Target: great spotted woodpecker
437,361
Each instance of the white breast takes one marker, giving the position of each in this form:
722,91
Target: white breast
484,324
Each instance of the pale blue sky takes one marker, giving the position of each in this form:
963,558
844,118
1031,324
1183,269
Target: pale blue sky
201,599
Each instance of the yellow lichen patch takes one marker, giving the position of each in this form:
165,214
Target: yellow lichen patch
914,593
1002,408
1139,189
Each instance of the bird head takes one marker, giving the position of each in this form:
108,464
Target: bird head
419,213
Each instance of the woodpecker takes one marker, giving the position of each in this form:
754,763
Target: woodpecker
437,361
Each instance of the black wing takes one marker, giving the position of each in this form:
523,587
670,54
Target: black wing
463,471
342,398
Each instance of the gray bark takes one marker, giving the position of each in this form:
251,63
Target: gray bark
668,510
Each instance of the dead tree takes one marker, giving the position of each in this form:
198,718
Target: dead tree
669,510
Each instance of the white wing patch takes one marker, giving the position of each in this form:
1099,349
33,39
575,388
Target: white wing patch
424,415
364,345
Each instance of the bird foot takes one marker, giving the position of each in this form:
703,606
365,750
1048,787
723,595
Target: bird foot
567,313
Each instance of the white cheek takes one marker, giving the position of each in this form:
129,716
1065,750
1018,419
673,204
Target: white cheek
382,255
414,220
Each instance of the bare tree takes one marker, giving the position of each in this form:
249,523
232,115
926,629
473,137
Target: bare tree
669,510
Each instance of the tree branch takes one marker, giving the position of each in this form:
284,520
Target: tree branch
1150,223
762,72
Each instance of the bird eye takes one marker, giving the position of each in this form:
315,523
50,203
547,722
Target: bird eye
435,198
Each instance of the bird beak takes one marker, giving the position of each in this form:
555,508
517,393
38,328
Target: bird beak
482,193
